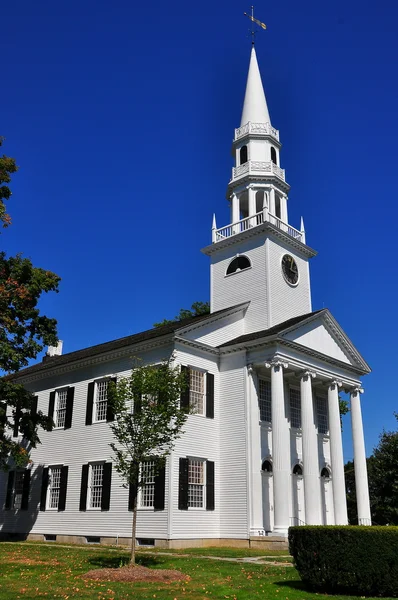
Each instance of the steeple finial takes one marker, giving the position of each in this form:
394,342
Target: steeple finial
253,20
255,105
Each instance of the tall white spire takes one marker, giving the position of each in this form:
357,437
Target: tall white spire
255,105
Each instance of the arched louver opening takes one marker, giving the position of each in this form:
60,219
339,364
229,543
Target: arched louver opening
297,470
325,473
238,264
243,155
267,466
273,155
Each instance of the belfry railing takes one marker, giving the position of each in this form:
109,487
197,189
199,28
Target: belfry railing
253,221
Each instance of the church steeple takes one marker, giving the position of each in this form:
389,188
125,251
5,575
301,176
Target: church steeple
255,107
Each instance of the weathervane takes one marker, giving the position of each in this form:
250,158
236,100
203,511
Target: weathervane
253,20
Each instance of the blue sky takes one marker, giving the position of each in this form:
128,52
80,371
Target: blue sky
121,117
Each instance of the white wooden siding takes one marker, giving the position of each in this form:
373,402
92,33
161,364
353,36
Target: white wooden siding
219,332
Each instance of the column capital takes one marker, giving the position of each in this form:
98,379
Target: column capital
276,363
335,383
307,373
356,391
250,368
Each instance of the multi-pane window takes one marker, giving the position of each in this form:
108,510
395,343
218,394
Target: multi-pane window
60,410
322,414
95,485
54,485
101,400
197,391
147,496
295,407
264,399
18,489
195,483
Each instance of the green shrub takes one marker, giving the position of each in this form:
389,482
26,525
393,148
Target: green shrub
355,560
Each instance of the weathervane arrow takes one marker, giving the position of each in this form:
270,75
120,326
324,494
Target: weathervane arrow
253,20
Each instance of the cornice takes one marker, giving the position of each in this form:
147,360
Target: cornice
197,345
266,228
256,178
227,313
256,136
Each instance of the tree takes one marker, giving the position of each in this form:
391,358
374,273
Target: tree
383,482
197,308
23,334
148,421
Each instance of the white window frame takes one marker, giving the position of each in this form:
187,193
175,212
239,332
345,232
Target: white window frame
92,467
97,385
322,414
192,400
264,405
20,475
59,391
148,488
202,461
295,390
50,487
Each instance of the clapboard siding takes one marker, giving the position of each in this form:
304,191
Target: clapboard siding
219,332
233,448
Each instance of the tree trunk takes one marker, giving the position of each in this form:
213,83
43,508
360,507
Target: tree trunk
132,558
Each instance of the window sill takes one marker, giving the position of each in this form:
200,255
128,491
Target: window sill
97,422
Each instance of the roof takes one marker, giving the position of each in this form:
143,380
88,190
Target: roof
249,337
136,338
255,105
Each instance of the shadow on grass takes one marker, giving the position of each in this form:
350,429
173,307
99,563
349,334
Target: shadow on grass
294,585
113,562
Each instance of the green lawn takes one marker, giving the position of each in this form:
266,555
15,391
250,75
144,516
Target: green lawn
29,571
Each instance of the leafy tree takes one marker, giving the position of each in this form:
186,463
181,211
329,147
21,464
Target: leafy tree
148,421
383,482
197,308
23,334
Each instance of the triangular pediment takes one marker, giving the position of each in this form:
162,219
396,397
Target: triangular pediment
324,335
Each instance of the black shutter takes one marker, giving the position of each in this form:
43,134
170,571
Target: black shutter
83,488
25,490
44,486
110,415
90,403
33,406
209,396
63,484
17,419
51,404
10,485
70,394
184,402
183,484
106,486
160,488
209,485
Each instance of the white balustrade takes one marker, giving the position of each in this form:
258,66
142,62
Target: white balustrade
257,129
253,221
258,167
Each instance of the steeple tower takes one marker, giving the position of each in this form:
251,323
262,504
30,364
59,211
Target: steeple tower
267,257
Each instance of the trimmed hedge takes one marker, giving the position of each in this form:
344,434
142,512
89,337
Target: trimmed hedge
355,560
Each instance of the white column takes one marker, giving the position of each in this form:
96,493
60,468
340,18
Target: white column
361,473
265,205
284,208
252,205
311,475
256,489
336,455
280,449
235,209
272,201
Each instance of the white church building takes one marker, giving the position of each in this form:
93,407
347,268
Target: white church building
263,450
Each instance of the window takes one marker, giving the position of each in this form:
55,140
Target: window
295,408
95,485
273,156
322,414
267,466
18,490
264,398
54,479
101,399
195,483
298,470
238,264
147,492
243,155
197,391
60,408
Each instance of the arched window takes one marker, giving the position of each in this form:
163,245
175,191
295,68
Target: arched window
238,264
243,155
273,155
297,470
325,473
267,466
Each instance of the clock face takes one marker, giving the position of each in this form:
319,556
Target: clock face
290,269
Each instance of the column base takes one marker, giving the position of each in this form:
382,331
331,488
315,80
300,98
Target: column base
279,532
257,531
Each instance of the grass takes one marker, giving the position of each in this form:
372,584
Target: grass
50,571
